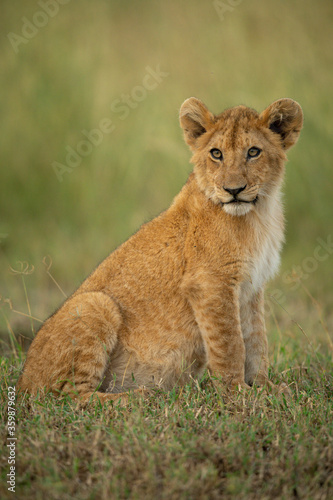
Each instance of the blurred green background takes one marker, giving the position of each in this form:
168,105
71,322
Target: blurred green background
74,63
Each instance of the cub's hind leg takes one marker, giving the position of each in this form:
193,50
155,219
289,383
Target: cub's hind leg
71,351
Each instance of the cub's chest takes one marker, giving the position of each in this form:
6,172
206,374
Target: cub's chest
265,260
265,264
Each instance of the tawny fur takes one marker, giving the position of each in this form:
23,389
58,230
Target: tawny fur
184,293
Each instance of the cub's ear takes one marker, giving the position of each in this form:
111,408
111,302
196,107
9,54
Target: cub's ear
194,119
284,117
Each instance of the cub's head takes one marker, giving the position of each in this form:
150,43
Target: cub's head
239,154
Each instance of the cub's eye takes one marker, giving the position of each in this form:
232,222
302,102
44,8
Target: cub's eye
216,154
253,152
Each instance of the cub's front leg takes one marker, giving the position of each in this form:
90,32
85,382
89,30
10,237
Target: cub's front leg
255,339
256,346
215,304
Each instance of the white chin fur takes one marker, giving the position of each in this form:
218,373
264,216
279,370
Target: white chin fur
237,208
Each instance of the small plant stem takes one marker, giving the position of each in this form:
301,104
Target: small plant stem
28,304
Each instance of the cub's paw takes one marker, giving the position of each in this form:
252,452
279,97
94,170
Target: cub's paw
230,385
270,388
238,386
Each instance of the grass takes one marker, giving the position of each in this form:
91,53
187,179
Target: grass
191,443
188,443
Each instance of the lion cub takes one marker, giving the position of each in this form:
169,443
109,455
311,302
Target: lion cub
184,293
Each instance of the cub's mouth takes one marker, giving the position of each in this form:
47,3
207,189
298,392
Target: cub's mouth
238,207
238,201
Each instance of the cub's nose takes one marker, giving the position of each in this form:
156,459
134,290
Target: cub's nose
234,191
